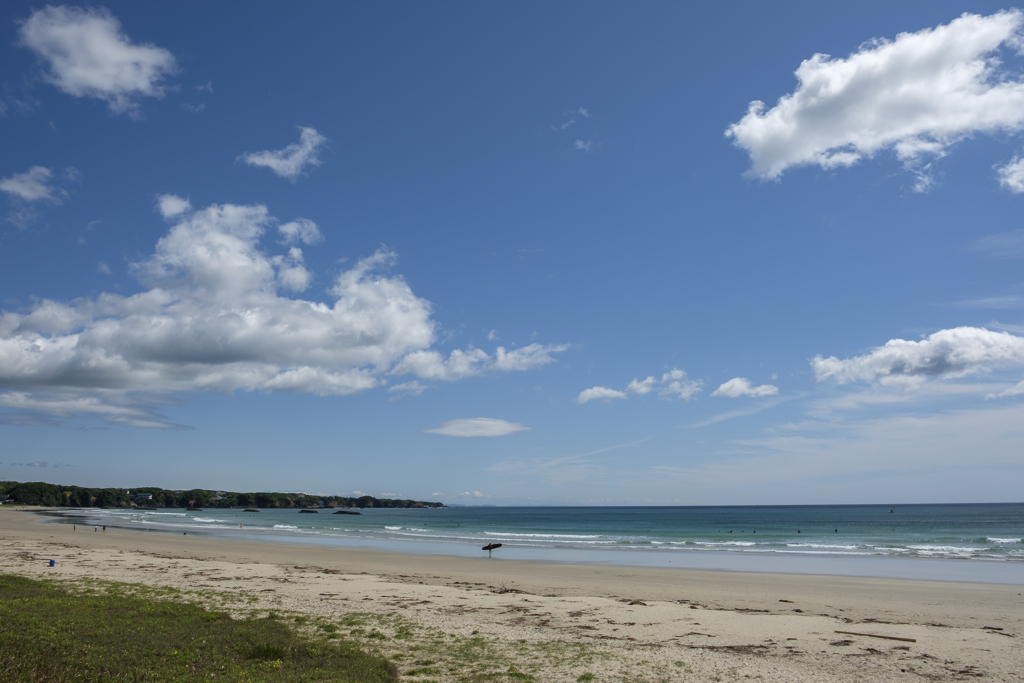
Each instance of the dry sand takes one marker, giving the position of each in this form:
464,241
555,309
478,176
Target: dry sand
452,619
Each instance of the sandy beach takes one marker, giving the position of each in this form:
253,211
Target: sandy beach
449,618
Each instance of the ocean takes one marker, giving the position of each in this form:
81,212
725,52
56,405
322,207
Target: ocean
983,542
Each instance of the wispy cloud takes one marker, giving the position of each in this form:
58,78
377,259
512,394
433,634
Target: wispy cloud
995,302
562,469
291,161
32,186
413,388
1005,245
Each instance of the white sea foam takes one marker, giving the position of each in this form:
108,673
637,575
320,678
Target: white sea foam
944,550
1003,541
392,528
509,534
726,543
285,526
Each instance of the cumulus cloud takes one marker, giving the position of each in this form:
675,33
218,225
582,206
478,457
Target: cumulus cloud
31,186
430,364
1011,175
915,95
478,426
673,384
87,55
170,205
952,353
214,316
291,161
300,230
741,386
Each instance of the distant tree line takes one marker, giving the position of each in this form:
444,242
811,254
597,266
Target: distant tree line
57,495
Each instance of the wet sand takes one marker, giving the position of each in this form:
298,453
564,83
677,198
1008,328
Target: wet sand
639,623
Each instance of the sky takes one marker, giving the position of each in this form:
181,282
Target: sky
587,253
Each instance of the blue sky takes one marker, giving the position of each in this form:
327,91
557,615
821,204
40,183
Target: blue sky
515,254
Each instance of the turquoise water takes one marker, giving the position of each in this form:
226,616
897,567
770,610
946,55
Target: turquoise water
991,532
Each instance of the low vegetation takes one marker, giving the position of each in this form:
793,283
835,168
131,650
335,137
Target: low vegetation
71,634
59,495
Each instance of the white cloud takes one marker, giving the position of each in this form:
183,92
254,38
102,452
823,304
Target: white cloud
300,230
293,159
916,95
170,205
602,393
676,384
949,353
741,386
492,335
213,316
641,388
1003,245
67,404
413,388
1011,176
291,274
583,112
1008,301
31,186
673,384
87,55
583,146
478,426
1015,390
103,268
430,364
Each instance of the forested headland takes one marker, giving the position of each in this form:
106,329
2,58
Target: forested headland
58,495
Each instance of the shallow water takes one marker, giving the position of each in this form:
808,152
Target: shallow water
979,542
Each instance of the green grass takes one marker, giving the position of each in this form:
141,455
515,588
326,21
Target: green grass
57,635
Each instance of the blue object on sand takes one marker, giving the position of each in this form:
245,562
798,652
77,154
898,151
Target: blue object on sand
53,563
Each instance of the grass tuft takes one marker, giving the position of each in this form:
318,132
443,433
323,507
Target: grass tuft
54,634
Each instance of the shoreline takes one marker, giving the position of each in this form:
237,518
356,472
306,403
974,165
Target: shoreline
1008,571
640,616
